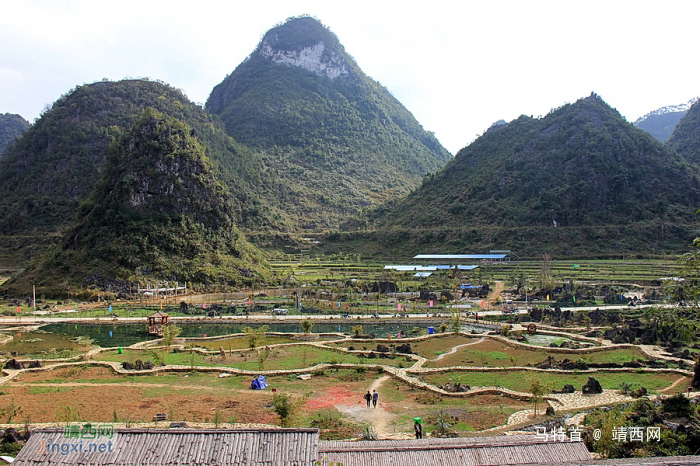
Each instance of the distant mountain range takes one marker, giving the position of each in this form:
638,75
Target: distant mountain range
130,181
322,141
661,122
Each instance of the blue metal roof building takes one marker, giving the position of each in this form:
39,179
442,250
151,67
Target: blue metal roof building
478,257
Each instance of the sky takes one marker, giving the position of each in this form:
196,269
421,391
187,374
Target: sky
458,66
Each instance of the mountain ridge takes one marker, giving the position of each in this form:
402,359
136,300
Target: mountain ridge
582,168
346,141
158,212
661,122
685,138
55,164
11,127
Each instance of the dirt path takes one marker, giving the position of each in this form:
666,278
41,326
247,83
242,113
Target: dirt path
455,348
379,418
673,385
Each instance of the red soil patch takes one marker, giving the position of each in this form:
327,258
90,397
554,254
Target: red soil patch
335,395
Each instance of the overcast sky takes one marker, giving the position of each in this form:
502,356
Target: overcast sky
458,66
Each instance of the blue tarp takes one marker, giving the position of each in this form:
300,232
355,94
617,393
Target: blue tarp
259,383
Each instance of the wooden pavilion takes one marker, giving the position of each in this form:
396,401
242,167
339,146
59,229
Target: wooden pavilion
156,322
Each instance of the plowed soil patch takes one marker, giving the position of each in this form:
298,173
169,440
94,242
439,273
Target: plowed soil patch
111,404
68,373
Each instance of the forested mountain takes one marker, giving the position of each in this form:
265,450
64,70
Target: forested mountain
337,140
157,212
580,180
55,164
661,122
11,126
686,137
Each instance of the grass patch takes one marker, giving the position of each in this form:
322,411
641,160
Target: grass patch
518,380
280,358
41,390
493,353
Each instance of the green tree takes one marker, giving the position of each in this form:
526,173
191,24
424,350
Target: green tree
287,407
263,354
254,335
455,321
170,333
306,325
442,427
686,287
538,390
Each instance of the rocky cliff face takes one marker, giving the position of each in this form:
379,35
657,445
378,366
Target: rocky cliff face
329,64
164,169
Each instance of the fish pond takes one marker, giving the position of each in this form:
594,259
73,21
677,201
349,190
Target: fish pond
125,334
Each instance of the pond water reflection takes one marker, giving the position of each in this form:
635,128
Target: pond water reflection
122,334
36,343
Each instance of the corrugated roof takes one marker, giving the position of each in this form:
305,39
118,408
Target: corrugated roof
520,449
461,256
428,268
411,268
690,460
174,447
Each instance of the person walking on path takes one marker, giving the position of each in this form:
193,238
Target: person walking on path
368,398
418,428
375,397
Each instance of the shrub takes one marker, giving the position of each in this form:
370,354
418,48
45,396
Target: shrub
428,398
678,404
287,408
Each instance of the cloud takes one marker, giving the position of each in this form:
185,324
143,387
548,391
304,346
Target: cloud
457,66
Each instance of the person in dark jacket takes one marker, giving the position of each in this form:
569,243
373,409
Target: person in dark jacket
368,397
418,429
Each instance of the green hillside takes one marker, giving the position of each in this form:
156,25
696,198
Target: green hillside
11,127
337,140
56,163
685,138
579,181
158,212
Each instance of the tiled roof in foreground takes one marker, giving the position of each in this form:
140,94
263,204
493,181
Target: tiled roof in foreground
501,450
301,447
175,447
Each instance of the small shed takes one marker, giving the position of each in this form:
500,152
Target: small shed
171,447
467,451
156,322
